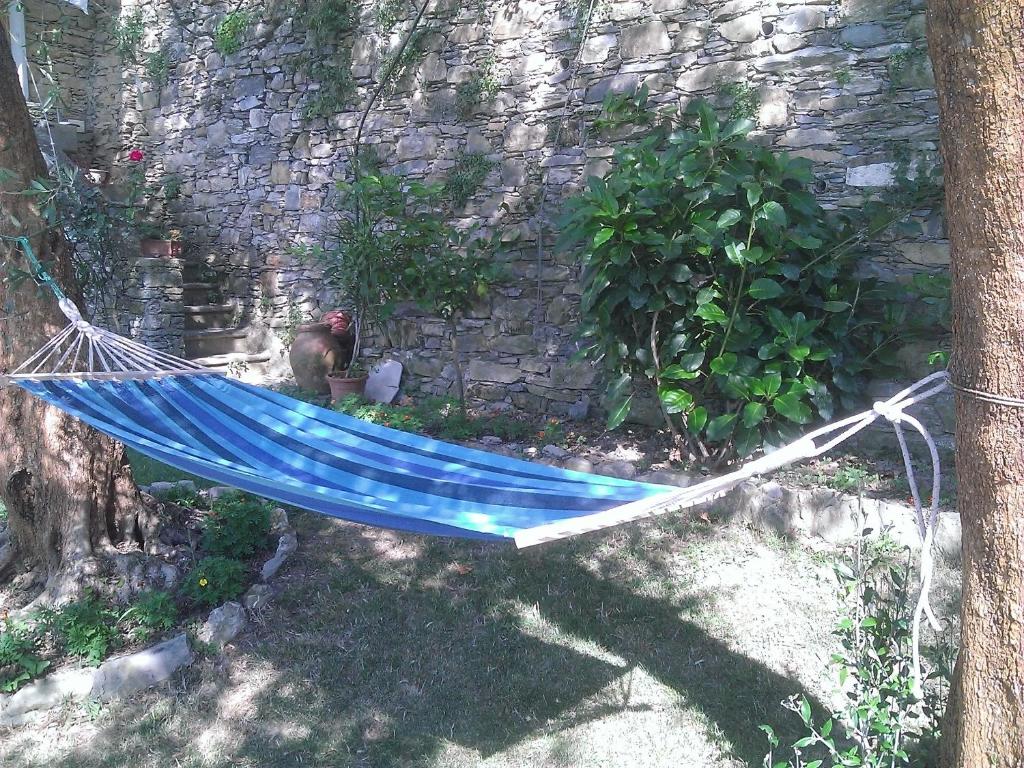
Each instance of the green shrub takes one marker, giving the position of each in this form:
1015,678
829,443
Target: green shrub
465,177
215,580
86,628
154,611
237,526
405,417
711,272
19,657
227,37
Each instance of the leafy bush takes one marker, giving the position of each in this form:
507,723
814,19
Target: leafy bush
153,612
215,580
87,628
882,722
466,176
237,526
713,273
19,657
404,417
227,37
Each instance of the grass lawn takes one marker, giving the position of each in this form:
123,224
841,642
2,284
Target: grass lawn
661,644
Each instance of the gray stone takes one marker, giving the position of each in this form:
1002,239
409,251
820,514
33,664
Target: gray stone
223,624
383,381
806,137
648,39
417,146
925,254
864,35
788,43
873,175
49,692
804,58
250,86
668,6
667,477
279,521
624,470
280,124
733,8
125,675
710,76
480,370
802,20
256,598
280,173
218,491
597,48
773,110
286,545
554,451
743,29
577,464
692,35
490,440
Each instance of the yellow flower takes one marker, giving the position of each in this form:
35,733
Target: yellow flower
203,582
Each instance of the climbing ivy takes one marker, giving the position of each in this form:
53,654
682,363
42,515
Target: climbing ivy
227,36
331,24
481,88
466,176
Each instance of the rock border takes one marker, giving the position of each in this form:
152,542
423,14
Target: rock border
121,676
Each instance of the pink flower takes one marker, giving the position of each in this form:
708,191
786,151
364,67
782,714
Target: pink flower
136,155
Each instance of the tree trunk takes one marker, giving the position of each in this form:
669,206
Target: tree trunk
977,48
68,489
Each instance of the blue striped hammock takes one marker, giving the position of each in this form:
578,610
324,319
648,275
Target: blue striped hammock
296,453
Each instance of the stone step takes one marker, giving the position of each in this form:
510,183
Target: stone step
208,317
196,293
218,341
223,362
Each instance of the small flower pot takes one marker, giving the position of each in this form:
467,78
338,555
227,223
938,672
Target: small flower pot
341,386
166,249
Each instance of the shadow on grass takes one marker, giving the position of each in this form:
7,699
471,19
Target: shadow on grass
384,654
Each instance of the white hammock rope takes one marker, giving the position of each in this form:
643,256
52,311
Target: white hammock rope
109,356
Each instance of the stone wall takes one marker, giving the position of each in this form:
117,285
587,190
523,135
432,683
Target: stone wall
845,84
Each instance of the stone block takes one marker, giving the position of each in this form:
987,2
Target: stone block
710,76
692,35
521,136
865,35
625,83
925,254
417,146
223,624
650,39
742,29
480,370
125,675
597,48
806,137
280,173
872,175
773,110
801,20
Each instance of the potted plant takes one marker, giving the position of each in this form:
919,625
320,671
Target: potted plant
364,265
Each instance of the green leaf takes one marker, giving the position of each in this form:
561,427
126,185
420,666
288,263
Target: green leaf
753,414
774,213
724,363
836,306
675,345
692,361
791,407
680,272
734,252
678,373
696,419
619,386
675,400
721,427
805,710
712,313
619,412
754,193
771,384
603,236
765,288
729,217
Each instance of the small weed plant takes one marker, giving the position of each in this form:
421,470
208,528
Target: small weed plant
87,628
481,88
19,655
215,580
153,612
237,526
227,37
466,177
127,32
882,723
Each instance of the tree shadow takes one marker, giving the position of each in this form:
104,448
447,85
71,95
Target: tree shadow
378,655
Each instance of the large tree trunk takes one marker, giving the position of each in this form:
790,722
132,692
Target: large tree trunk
68,489
977,48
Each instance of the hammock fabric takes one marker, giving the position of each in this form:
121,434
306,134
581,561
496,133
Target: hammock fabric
296,453
260,441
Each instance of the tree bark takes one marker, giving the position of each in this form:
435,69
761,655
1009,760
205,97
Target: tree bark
977,49
68,489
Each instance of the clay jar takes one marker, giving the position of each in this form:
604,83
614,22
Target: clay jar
314,353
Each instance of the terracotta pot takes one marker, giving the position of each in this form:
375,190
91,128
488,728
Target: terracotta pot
342,386
314,353
168,249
